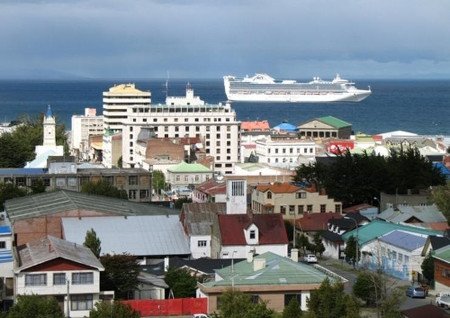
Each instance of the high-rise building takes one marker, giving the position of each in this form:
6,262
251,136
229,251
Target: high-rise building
84,126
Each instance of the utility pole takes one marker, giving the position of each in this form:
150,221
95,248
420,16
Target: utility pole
68,299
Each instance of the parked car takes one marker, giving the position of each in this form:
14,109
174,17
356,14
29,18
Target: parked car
310,258
443,300
416,292
200,316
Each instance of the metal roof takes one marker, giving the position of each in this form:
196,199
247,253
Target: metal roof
21,171
50,248
333,121
404,240
402,213
155,235
63,200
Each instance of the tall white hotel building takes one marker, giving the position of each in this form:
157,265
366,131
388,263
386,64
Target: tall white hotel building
216,125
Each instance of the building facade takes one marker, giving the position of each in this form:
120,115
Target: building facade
84,126
326,127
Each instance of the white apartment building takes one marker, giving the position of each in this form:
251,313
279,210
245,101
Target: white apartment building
285,153
215,125
118,100
84,126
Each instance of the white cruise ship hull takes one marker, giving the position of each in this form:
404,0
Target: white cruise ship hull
263,88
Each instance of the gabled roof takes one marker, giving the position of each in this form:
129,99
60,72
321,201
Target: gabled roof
255,125
331,236
212,187
334,122
316,221
270,227
204,266
50,248
377,228
434,243
278,270
201,218
403,213
48,203
151,235
443,254
185,167
278,188
404,240
357,208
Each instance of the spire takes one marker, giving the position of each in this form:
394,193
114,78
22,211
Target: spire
49,112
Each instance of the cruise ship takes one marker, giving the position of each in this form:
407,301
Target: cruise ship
263,88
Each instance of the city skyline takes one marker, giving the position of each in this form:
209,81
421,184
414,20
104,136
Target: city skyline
209,39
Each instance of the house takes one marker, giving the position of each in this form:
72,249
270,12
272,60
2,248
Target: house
55,267
434,243
259,173
423,197
185,175
268,277
326,127
418,214
36,216
212,190
6,263
442,269
148,237
291,201
257,233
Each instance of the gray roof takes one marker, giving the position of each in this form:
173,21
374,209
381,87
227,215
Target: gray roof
200,218
50,248
404,240
63,200
151,235
425,213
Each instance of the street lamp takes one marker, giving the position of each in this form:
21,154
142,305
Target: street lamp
357,241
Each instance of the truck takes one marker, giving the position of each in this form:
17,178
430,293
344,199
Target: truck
443,299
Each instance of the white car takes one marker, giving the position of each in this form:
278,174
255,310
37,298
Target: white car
310,258
200,316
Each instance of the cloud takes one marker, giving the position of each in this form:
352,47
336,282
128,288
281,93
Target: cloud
209,38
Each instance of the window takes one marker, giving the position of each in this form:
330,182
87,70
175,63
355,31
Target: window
132,180
289,297
237,188
59,279
143,194
132,194
301,209
323,208
300,195
337,208
82,278
292,209
201,243
36,280
269,195
255,299
309,208
282,209
2,244
81,302
252,234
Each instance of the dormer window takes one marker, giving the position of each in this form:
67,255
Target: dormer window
269,195
252,234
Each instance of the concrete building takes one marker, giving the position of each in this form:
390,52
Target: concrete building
118,100
111,148
84,126
325,127
187,175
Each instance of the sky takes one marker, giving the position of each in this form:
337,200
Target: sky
368,39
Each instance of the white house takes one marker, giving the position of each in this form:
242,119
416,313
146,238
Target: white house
65,270
6,262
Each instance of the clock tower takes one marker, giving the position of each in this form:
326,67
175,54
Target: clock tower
49,129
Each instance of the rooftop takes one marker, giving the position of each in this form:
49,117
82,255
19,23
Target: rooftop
333,121
127,89
404,240
185,167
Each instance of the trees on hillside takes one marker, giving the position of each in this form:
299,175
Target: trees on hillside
441,197
359,178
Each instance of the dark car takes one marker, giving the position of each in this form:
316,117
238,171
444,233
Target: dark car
416,292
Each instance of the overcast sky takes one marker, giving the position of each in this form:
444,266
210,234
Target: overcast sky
212,38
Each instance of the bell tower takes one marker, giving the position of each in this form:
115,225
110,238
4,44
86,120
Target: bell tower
49,128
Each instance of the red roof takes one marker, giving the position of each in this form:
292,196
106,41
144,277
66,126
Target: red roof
212,187
255,125
278,188
316,221
270,226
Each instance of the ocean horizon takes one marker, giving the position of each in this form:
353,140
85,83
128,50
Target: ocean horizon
414,105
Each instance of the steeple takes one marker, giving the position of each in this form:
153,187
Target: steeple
49,128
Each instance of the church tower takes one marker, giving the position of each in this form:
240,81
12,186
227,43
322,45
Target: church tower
49,129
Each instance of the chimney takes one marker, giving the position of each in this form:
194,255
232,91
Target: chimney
250,256
294,255
259,263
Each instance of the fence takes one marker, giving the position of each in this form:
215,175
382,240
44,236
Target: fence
168,307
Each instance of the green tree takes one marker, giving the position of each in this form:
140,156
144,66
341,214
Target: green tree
10,191
38,186
120,274
330,301
292,310
303,243
365,288
235,304
350,250
35,306
428,267
92,242
103,187
179,202
318,246
289,229
441,197
158,181
181,282
116,309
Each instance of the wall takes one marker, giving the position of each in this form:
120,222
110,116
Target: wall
168,307
198,252
442,280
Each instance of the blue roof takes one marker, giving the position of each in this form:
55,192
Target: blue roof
444,170
285,126
18,171
5,229
49,112
404,240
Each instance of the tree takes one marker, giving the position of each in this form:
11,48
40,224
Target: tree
235,304
441,197
289,229
330,301
121,273
303,243
350,250
103,187
158,181
364,288
10,191
181,282
92,242
116,309
428,267
35,306
38,186
179,203
318,246
292,310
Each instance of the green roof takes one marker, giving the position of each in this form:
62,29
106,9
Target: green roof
279,270
333,121
443,254
184,167
378,228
